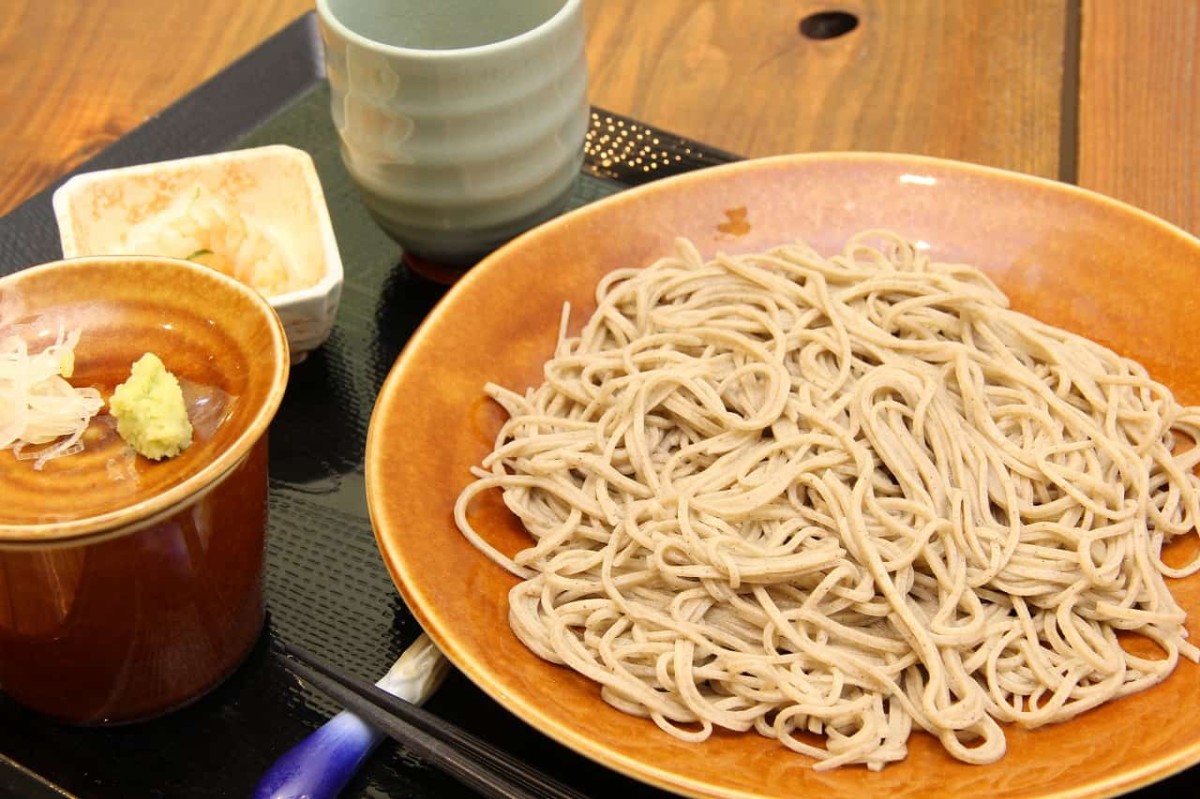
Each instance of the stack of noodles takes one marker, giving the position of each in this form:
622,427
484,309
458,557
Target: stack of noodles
829,499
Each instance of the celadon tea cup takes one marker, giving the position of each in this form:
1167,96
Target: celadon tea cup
461,122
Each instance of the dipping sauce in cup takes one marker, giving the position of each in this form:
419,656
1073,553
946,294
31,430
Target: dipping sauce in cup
129,586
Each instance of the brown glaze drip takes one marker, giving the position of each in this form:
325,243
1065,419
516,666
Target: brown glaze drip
736,222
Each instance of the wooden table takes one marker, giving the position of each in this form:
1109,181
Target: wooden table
1104,93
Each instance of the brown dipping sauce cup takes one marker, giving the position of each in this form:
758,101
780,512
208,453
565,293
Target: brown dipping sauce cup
130,587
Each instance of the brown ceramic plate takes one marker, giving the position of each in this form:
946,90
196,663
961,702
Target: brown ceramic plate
1069,257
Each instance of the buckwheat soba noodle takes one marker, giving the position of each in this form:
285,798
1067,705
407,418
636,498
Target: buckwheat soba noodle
832,500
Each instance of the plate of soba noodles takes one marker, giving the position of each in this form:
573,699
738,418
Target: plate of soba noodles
830,475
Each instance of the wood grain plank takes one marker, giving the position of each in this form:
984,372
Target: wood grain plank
1139,106
978,81
75,75
969,79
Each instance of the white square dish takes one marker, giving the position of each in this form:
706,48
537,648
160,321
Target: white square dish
258,214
